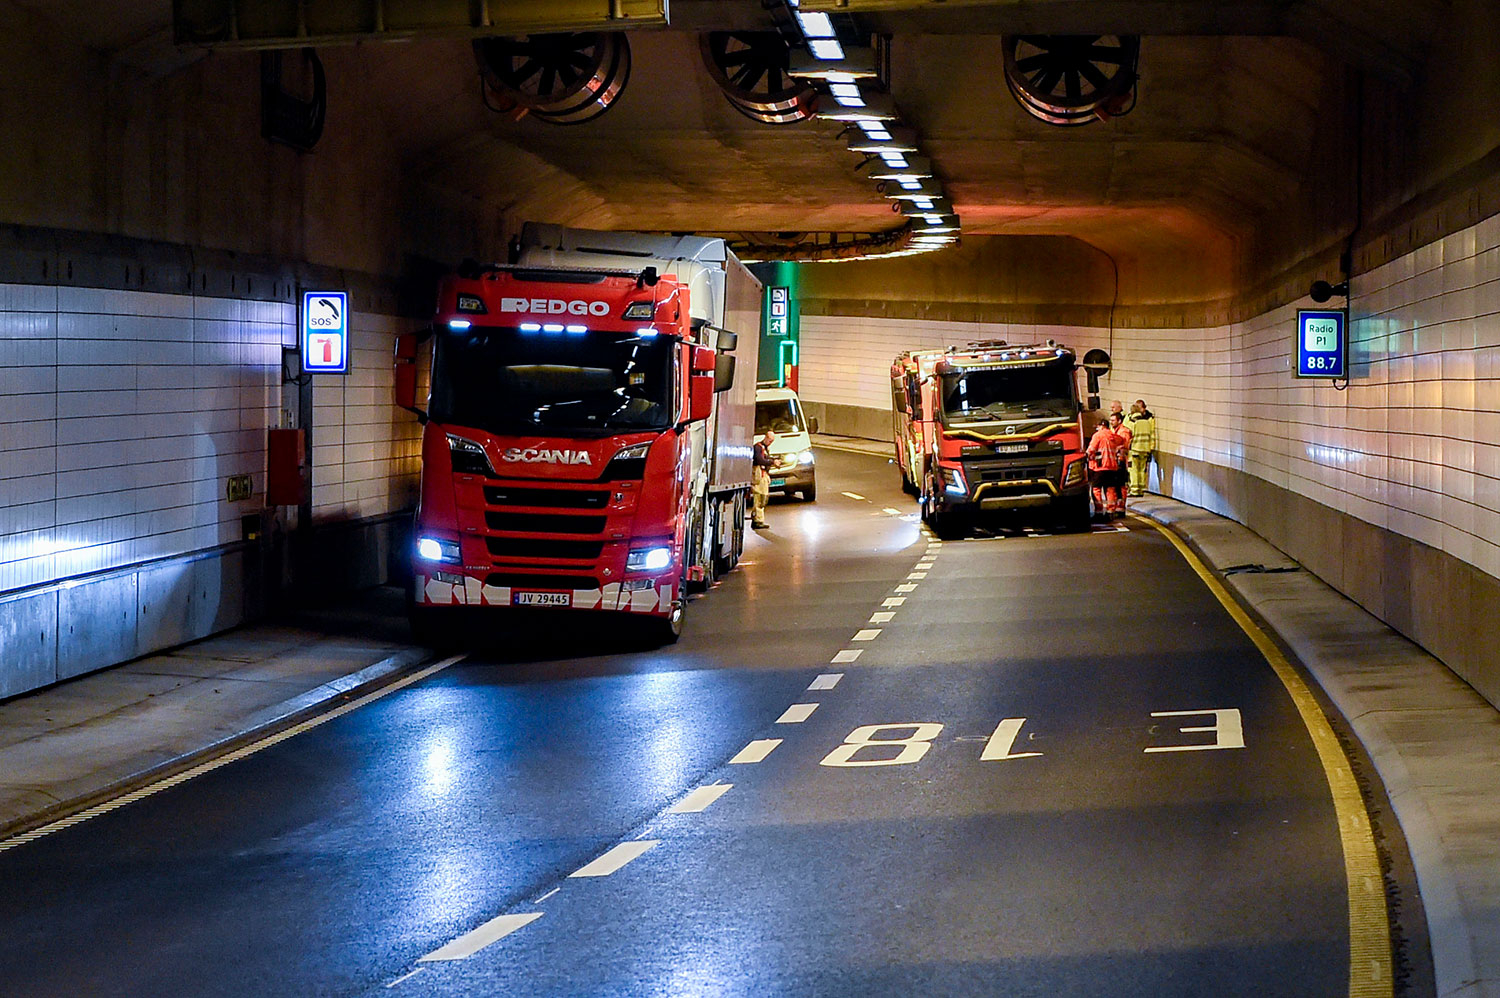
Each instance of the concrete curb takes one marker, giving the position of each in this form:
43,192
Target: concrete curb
1379,681
253,727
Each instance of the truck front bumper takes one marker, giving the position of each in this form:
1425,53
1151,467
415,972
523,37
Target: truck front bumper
641,596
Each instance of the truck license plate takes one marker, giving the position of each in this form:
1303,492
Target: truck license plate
1010,448
541,599
777,482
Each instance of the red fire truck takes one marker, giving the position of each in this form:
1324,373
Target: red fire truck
586,444
989,427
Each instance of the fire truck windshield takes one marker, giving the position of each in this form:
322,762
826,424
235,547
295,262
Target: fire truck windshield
993,393
506,380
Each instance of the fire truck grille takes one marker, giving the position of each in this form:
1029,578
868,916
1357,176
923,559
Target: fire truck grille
537,580
510,495
525,547
545,523
1011,471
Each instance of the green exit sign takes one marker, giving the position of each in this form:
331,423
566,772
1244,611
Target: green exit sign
238,488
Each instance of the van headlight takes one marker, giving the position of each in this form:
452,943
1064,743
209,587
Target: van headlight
438,549
806,457
648,559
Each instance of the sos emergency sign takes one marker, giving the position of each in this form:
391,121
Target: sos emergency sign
1321,342
325,332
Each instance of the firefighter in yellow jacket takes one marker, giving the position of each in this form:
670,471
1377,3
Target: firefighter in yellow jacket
1142,443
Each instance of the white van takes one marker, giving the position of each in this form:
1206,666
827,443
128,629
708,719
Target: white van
780,411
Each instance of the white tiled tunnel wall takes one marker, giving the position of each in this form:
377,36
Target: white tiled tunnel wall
1413,445
366,453
123,415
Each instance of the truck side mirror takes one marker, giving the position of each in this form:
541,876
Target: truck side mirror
406,374
723,372
812,424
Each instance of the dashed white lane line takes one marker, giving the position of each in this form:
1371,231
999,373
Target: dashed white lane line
854,495
868,634
617,857
923,566
826,681
847,655
882,617
894,601
797,713
755,751
699,799
470,943
893,512
405,977
905,587
916,575
547,895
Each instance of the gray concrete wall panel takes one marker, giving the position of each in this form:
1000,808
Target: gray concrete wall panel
97,624
28,643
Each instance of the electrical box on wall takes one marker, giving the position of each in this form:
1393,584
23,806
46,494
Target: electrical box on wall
284,468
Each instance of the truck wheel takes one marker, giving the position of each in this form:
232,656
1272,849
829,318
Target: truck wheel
666,630
1073,514
948,526
908,486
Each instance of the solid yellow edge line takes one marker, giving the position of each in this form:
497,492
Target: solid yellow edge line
139,793
1369,923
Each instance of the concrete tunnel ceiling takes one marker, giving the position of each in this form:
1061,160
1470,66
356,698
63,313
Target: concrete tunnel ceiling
1234,99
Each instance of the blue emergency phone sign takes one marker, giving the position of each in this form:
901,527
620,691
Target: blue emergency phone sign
325,332
1322,336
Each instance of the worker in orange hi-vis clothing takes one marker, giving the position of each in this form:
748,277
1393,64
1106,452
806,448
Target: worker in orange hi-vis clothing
1104,463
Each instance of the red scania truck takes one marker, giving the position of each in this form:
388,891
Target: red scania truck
989,427
587,439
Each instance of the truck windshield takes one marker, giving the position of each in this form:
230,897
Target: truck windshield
987,394
780,415
505,380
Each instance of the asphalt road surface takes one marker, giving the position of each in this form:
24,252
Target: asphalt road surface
873,765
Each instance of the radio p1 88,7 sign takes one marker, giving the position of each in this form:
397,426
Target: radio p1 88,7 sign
325,332
1322,338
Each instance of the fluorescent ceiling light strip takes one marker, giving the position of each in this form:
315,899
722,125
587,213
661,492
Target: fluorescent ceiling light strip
816,24
825,48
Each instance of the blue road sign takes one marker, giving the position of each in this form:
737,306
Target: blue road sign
1322,341
325,332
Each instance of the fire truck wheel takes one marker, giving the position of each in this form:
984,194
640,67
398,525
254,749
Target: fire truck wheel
908,486
1073,514
948,526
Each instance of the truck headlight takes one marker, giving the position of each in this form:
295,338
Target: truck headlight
953,481
633,452
468,457
438,549
1074,474
648,559
806,457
